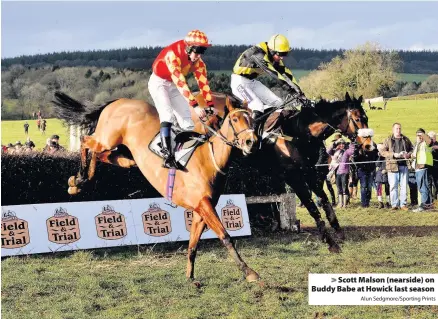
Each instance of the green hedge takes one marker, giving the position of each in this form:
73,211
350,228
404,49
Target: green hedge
41,178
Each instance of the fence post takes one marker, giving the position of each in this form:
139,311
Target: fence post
287,208
288,211
75,134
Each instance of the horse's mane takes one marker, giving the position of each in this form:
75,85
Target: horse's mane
325,109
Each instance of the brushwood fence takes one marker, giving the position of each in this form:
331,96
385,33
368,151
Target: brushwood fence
38,178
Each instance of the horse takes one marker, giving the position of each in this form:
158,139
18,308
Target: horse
295,152
297,157
134,123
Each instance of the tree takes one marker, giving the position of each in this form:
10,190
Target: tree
367,71
430,85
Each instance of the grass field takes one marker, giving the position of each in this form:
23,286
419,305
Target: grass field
13,131
149,281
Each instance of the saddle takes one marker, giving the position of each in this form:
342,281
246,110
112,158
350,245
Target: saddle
269,127
184,143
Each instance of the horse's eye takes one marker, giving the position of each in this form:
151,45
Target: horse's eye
358,120
235,120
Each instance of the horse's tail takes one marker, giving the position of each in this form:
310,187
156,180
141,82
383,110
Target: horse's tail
76,113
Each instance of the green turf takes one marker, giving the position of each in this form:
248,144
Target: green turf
13,131
410,113
149,282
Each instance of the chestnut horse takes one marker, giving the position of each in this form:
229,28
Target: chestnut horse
134,123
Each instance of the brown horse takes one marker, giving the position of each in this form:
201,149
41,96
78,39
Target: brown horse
297,149
135,123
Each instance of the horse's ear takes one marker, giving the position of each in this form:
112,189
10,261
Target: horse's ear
229,104
360,99
347,97
244,105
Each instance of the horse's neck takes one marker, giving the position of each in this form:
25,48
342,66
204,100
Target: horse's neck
322,127
221,150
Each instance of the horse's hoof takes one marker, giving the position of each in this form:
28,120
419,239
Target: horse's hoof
197,284
335,249
340,235
74,190
72,181
252,276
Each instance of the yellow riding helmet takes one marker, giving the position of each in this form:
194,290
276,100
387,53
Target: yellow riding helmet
279,43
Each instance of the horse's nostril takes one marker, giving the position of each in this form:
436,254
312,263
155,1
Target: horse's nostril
367,147
249,143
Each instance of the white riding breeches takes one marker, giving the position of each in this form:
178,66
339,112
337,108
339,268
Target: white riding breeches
254,92
169,102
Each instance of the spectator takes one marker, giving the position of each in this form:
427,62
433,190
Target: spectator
381,179
39,124
52,145
10,149
365,173
29,145
340,162
353,181
322,171
413,190
396,149
18,147
422,156
434,170
43,126
4,149
26,128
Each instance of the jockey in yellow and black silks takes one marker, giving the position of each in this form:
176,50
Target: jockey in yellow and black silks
265,57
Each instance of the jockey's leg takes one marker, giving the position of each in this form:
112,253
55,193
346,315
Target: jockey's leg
160,93
243,89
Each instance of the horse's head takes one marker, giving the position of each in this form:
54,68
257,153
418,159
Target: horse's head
237,126
355,123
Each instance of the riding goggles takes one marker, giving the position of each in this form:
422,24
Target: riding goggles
199,49
280,53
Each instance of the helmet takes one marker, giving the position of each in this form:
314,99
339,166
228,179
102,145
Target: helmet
196,38
279,43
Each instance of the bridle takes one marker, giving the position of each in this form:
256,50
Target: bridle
235,141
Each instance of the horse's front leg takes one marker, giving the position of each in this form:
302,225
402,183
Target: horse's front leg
330,213
75,182
198,226
206,210
298,183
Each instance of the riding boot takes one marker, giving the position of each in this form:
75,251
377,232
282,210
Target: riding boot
167,150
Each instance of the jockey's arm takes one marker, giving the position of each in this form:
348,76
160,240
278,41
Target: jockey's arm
288,77
201,78
280,73
174,65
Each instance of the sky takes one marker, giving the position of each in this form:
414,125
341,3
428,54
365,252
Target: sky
45,27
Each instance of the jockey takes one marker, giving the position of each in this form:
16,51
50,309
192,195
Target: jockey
170,92
265,57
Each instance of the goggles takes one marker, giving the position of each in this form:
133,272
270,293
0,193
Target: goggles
280,53
199,49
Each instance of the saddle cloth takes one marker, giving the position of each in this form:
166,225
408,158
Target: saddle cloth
183,143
